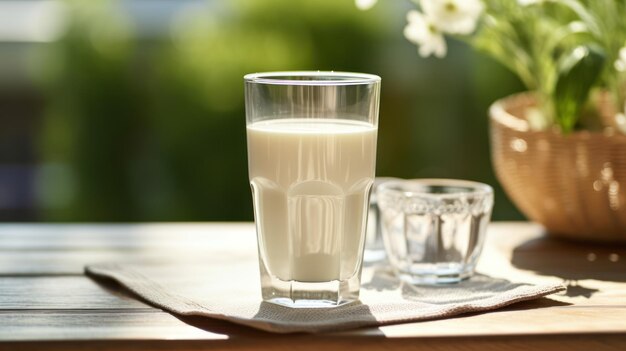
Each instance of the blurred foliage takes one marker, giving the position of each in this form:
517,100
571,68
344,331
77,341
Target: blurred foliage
153,129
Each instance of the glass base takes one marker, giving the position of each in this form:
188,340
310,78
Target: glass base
297,294
429,274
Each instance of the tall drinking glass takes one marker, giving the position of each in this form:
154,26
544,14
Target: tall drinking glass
311,159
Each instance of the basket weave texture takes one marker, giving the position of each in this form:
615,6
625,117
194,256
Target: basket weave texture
574,185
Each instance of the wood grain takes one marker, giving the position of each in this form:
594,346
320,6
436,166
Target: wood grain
47,304
63,293
531,319
72,262
109,237
64,249
595,342
45,325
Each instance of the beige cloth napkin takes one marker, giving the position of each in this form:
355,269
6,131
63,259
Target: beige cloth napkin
232,296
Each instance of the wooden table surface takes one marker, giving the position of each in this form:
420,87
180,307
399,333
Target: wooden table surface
46,303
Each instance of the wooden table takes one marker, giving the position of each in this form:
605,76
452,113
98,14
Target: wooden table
46,303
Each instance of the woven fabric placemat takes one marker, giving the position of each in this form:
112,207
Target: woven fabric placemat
384,300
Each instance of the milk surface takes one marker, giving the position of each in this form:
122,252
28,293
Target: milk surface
310,180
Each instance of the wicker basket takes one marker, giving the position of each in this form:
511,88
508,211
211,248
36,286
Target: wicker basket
574,185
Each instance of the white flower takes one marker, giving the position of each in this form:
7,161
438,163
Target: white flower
365,4
620,63
422,31
453,16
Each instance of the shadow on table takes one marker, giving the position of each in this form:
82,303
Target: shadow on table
572,262
217,326
478,287
285,320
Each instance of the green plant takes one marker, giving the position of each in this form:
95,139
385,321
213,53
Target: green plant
145,127
560,49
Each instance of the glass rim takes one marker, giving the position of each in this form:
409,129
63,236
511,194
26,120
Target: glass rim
330,78
410,187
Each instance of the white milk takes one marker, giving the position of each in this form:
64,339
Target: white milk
310,180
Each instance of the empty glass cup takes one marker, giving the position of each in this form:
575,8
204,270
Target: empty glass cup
433,229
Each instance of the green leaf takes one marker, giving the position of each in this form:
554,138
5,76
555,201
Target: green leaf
578,71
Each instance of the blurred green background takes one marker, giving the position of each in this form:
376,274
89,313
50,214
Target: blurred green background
133,110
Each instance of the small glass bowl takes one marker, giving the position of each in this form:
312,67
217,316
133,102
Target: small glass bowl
434,229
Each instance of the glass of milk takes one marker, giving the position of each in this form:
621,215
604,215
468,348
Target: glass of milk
311,159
